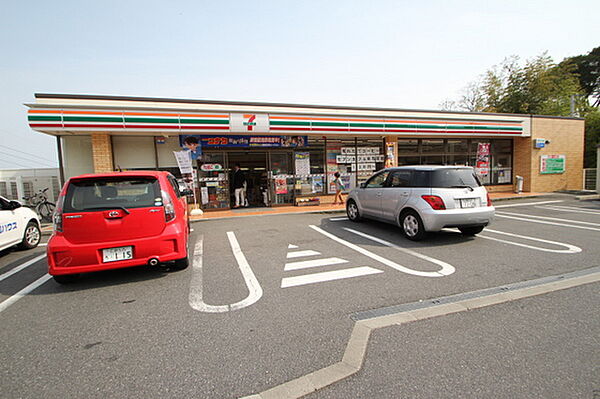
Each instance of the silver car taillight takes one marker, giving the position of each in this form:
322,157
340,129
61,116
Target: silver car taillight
168,207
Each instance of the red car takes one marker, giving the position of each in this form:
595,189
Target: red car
114,220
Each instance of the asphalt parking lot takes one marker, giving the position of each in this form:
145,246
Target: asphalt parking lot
269,300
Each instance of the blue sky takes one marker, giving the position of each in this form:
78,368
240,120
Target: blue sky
403,54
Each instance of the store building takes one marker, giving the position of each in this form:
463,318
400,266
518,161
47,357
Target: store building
290,152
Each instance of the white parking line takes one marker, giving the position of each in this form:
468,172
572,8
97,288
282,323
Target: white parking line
549,218
526,204
448,269
570,209
328,276
5,304
571,249
196,300
534,219
544,222
21,267
313,263
299,254
338,219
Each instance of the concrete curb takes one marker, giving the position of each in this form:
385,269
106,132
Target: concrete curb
588,197
356,349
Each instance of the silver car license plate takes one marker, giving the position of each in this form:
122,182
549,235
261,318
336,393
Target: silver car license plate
116,254
469,202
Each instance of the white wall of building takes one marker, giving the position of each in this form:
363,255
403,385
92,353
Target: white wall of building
134,152
18,183
77,155
166,159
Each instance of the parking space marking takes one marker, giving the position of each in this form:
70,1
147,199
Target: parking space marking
5,304
305,264
328,276
292,246
338,219
196,300
525,219
570,209
21,267
571,249
550,218
527,204
299,254
446,268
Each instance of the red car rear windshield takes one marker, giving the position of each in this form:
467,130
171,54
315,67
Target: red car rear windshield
110,193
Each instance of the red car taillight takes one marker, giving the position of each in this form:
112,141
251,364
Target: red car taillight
489,200
168,207
435,202
57,220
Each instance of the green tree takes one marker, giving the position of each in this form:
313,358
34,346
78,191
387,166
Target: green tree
592,137
538,87
587,68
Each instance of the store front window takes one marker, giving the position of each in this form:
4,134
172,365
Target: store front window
492,158
341,158
213,182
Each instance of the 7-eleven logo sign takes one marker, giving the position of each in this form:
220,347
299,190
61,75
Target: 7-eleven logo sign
250,122
244,123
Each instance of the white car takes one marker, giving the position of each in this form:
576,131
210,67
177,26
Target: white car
18,225
423,199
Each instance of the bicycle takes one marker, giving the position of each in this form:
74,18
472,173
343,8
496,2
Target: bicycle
39,202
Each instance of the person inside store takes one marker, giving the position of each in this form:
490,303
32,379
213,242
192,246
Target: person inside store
239,185
339,187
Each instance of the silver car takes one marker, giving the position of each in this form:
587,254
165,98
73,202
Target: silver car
423,199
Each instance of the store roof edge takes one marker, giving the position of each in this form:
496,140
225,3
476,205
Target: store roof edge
267,104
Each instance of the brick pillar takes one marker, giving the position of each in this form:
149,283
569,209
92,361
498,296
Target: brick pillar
102,152
391,142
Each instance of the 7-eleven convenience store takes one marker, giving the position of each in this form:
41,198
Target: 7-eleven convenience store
289,152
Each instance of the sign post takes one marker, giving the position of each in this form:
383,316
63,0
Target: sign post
184,161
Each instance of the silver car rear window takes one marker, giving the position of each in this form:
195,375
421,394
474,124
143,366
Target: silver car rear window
448,178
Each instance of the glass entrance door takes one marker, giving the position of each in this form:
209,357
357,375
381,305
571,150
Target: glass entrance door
281,178
254,166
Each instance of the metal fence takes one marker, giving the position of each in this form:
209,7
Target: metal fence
589,179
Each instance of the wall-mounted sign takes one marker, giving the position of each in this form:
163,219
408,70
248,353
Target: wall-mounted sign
552,164
210,167
244,141
248,123
539,143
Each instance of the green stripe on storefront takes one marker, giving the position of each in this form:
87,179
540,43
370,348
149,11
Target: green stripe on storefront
374,125
134,120
43,118
330,124
91,119
288,123
152,120
453,127
207,121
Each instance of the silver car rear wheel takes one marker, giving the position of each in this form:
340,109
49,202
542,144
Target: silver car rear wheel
412,226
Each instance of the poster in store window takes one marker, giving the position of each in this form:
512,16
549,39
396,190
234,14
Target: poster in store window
302,161
482,165
281,186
